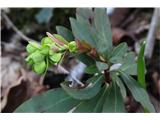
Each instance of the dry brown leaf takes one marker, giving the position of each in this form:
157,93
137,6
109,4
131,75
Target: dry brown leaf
10,73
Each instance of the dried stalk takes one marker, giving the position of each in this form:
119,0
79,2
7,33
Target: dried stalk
151,34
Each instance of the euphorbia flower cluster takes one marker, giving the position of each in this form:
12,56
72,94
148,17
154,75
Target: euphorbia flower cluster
49,52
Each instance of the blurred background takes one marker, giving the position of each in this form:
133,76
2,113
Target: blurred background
19,25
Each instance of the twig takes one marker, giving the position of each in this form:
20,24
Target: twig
151,34
10,24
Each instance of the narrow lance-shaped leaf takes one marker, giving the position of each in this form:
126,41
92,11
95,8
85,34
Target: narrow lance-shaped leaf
118,52
137,91
86,13
101,66
81,31
114,101
141,66
87,106
103,31
91,69
94,86
119,83
129,64
67,34
99,105
85,59
55,100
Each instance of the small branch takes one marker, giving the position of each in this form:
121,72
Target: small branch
151,34
10,24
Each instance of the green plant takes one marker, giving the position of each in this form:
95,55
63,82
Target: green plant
104,92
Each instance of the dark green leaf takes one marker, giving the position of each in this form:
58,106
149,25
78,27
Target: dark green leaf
81,31
114,101
116,60
129,64
138,92
91,69
86,13
55,100
85,59
141,67
101,66
87,106
119,51
44,15
99,105
60,38
129,58
67,34
119,83
88,92
103,31
130,69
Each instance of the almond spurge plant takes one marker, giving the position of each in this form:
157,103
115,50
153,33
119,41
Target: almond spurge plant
112,68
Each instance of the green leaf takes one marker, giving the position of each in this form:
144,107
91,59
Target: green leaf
86,13
67,34
59,37
91,69
103,31
119,51
55,100
116,60
39,67
44,15
119,83
85,93
138,92
87,106
87,60
129,64
99,105
101,66
55,57
130,69
129,58
141,67
81,31
114,101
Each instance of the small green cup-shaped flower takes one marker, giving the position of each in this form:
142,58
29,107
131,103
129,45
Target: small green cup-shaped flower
30,62
40,67
37,56
55,57
45,50
72,46
46,41
32,47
